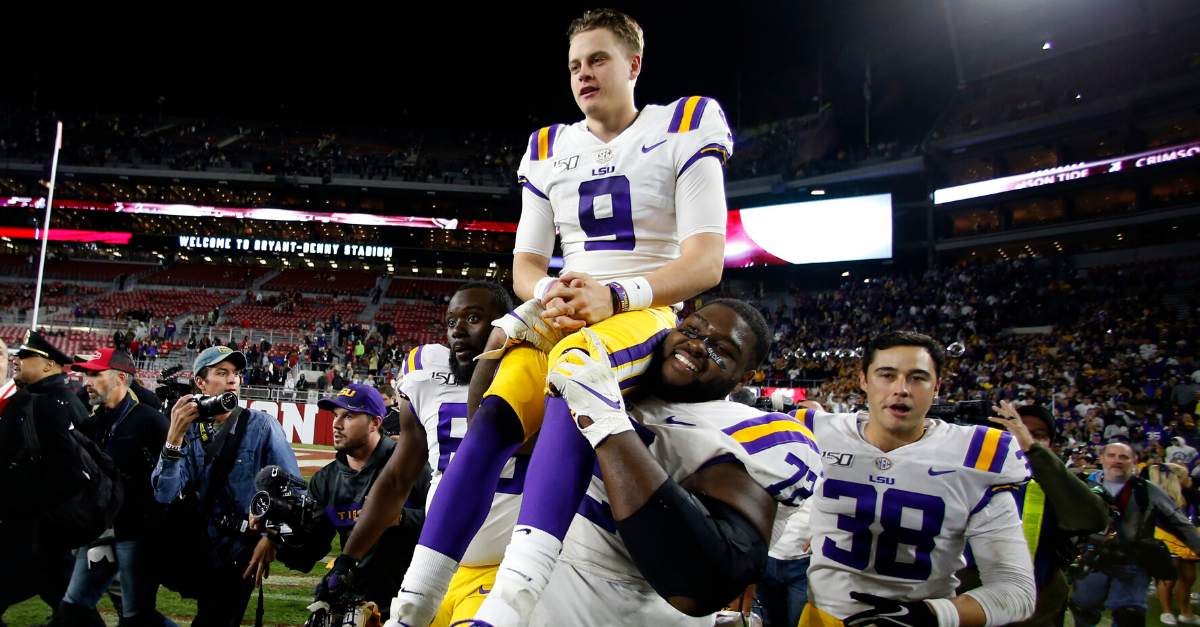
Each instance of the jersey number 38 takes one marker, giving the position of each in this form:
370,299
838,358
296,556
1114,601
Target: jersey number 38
890,512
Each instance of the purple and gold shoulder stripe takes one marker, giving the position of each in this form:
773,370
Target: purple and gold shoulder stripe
413,362
768,430
541,143
688,113
988,449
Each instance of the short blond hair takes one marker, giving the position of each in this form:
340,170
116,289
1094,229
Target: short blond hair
625,28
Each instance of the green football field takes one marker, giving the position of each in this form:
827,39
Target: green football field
287,592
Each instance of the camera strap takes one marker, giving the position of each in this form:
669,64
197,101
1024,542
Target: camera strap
225,453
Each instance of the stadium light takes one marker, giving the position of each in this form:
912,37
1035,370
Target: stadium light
845,274
818,192
1048,45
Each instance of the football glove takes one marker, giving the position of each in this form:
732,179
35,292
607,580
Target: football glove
526,324
338,581
589,385
889,613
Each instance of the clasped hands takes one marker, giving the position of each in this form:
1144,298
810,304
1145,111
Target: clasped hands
575,301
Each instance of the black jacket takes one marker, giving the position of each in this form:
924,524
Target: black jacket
26,489
145,396
391,422
340,492
134,447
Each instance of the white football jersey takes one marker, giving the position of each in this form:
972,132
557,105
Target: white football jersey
896,524
778,451
614,204
440,404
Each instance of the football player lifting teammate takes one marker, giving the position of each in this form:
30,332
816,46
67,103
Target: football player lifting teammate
641,216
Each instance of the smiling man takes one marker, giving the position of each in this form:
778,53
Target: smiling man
677,520
432,419
640,214
900,497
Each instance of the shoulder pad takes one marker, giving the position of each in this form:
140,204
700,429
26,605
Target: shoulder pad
688,112
412,363
988,449
767,430
541,143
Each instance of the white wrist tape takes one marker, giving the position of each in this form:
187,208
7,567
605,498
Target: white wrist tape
947,614
634,293
543,286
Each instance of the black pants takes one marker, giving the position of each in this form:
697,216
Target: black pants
224,603
30,571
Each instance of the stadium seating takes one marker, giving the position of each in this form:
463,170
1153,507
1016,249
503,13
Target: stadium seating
206,275
70,342
415,324
89,270
323,281
314,308
171,303
422,289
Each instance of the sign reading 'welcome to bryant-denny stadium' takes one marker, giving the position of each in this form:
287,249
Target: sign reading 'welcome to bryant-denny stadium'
277,246
1062,174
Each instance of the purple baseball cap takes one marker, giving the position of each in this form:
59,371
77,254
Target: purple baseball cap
357,398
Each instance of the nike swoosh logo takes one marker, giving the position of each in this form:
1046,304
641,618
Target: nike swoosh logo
934,473
482,591
671,421
524,531
903,612
411,592
645,149
614,405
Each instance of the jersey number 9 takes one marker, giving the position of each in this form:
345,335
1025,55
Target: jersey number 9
620,221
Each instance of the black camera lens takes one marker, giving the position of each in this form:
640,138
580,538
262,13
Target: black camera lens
260,505
215,405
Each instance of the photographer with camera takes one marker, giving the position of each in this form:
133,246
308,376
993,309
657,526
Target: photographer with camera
338,491
206,471
1054,507
132,433
1128,556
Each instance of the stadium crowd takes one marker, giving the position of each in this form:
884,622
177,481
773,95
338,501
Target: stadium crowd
1103,350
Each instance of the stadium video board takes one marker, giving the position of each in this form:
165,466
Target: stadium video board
264,213
1062,174
818,231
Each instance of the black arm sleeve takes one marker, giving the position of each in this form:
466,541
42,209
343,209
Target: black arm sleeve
694,547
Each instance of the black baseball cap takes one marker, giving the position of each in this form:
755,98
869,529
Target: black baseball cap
36,345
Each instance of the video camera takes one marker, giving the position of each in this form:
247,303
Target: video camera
284,510
172,386
963,412
344,614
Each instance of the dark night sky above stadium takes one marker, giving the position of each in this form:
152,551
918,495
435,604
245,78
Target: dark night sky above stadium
503,67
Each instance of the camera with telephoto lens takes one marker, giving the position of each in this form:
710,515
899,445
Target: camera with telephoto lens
232,525
282,508
348,613
209,406
963,412
172,386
